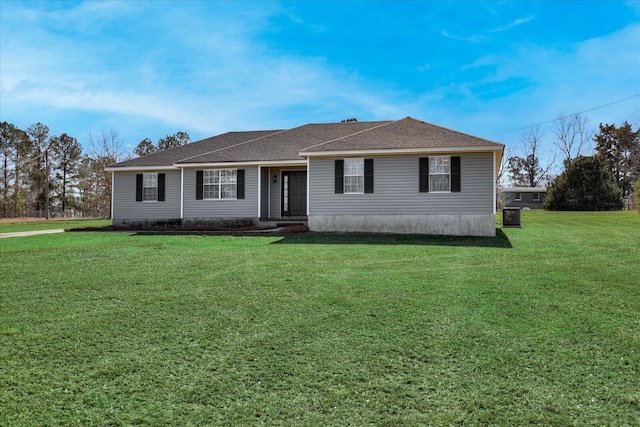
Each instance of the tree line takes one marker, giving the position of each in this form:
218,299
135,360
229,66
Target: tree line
584,169
45,174
52,175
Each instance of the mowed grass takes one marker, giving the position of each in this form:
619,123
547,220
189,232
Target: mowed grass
12,226
540,325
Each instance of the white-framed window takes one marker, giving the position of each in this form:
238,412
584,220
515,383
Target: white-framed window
518,196
354,176
536,197
439,174
220,183
150,187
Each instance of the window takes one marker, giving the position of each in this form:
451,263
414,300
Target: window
220,183
439,173
150,187
354,176
536,197
518,196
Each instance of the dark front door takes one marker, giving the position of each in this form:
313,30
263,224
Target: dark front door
294,193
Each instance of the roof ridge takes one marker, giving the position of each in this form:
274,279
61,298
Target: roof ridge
234,145
351,134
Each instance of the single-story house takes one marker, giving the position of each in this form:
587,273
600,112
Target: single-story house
523,197
402,176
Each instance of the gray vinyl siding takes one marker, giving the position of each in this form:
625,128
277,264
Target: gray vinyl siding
241,208
396,189
124,198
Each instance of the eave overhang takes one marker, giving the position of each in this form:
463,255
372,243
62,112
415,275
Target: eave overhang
139,168
301,162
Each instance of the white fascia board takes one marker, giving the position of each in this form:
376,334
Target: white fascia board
239,164
400,151
140,168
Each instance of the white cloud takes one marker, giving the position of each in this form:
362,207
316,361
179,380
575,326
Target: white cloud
513,24
472,39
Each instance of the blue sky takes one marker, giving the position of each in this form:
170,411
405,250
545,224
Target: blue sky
148,69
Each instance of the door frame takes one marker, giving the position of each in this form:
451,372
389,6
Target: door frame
282,183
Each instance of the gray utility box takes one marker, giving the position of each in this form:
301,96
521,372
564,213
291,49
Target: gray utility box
511,217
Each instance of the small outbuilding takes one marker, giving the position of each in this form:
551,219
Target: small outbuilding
523,197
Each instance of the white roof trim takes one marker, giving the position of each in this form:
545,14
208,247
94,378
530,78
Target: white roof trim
301,162
140,168
395,151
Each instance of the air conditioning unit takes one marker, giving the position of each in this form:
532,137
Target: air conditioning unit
511,217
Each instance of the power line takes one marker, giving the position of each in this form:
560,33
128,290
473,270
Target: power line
564,117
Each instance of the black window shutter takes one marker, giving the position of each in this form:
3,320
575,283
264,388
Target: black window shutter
161,187
199,186
424,174
240,184
455,174
368,175
139,187
339,188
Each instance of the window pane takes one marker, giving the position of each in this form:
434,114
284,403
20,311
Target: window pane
208,177
354,184
211,191
150,193
228,191
354,167
439,183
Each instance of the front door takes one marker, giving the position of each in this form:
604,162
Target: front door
294,193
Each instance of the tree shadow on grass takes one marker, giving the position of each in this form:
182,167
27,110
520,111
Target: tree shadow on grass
499,241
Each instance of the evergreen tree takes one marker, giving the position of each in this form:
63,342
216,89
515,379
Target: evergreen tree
66,156
585,185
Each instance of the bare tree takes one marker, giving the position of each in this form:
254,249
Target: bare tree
106,149
528,170
503,166
572,136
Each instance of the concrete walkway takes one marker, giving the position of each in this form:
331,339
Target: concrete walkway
31,233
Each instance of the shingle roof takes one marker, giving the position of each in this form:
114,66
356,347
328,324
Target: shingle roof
404,133
173,155
283,145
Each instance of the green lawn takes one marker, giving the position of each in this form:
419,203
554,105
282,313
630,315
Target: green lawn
51,224
540,325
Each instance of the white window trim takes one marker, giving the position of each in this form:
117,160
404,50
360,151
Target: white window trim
219,184
535,197
518,196
145,186
430,174
344,175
